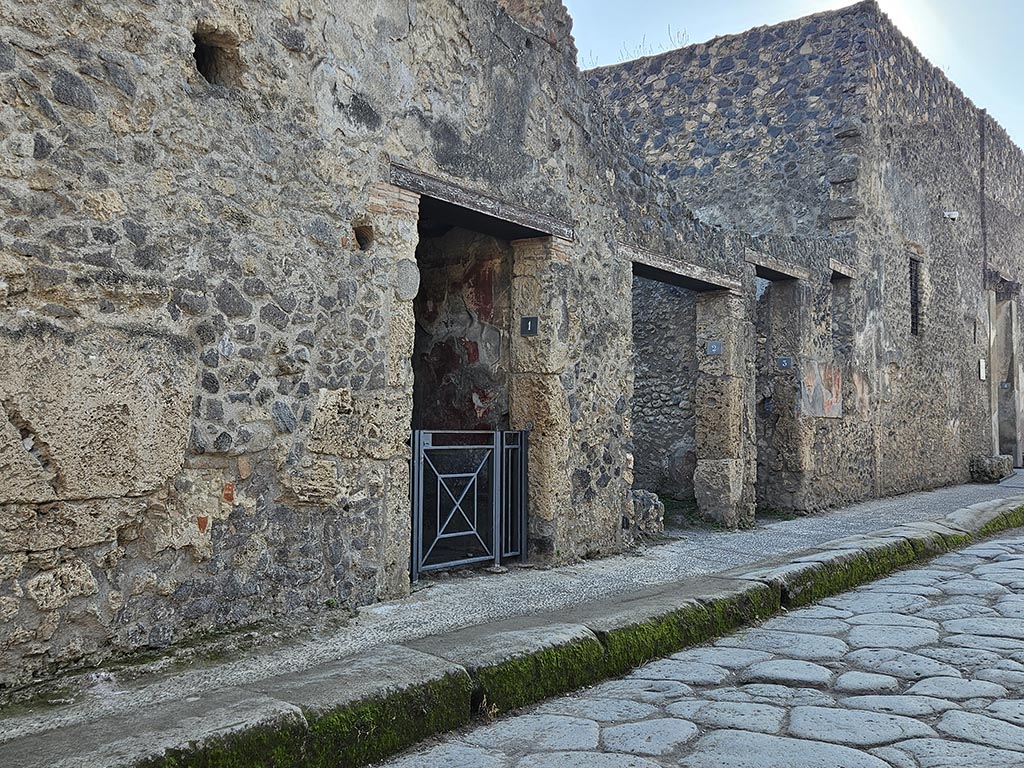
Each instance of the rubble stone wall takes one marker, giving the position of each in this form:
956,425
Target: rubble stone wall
751,126
206,302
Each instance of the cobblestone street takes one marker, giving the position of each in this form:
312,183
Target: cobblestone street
923,669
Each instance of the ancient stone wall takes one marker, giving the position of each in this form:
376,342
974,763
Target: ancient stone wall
835,125
207,287
928,171
751,126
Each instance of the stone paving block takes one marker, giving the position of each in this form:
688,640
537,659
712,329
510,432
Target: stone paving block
988,731
973,587
810,626
537,732
902,664
893,757
585,760
732,658
788,672
690,672
866,682
854,727
601,710
985,642
518,662
881,636
1012,711
452,756
650,737
957,689
993,627
743,749
797,646
893,620
909,706
881,602
942,753
741,715
772,693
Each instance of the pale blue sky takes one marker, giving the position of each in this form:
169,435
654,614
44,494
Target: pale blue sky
979,43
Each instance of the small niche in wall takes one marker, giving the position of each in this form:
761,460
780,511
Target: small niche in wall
364,236
217,58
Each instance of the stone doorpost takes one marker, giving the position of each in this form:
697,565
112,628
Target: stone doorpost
726,458
537,399
383,418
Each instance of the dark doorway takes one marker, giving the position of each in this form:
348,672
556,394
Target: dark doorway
664,386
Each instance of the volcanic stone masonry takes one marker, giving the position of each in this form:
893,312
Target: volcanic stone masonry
246,249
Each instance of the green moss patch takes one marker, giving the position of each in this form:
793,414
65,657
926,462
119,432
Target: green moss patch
354,735
1012,518
704,619
535,676
838,575
265,746
731,611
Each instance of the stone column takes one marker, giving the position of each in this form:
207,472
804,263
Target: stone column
726,459
537,399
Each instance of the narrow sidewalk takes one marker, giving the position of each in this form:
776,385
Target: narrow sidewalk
457,603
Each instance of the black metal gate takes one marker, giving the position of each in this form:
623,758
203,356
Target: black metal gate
469,498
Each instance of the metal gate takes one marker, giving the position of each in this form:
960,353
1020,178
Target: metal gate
469,498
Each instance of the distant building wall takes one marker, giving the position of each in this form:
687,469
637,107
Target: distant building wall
834,126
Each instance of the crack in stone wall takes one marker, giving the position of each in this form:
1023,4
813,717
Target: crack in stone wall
34,446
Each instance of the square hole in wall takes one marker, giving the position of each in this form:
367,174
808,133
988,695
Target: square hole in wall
217,58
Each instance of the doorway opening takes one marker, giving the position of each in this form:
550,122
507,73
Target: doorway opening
469,467
1004,379
664,394
779,482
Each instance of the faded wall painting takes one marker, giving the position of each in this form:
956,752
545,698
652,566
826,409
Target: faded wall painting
821,390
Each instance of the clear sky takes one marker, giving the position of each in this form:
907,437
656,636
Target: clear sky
978,43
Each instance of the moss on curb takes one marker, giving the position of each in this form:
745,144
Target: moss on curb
353,735
635,644
732,611
700,621
266,746
830,577
1012,518
527,679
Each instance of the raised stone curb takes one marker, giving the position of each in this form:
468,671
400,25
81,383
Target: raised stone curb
518,662
364,708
